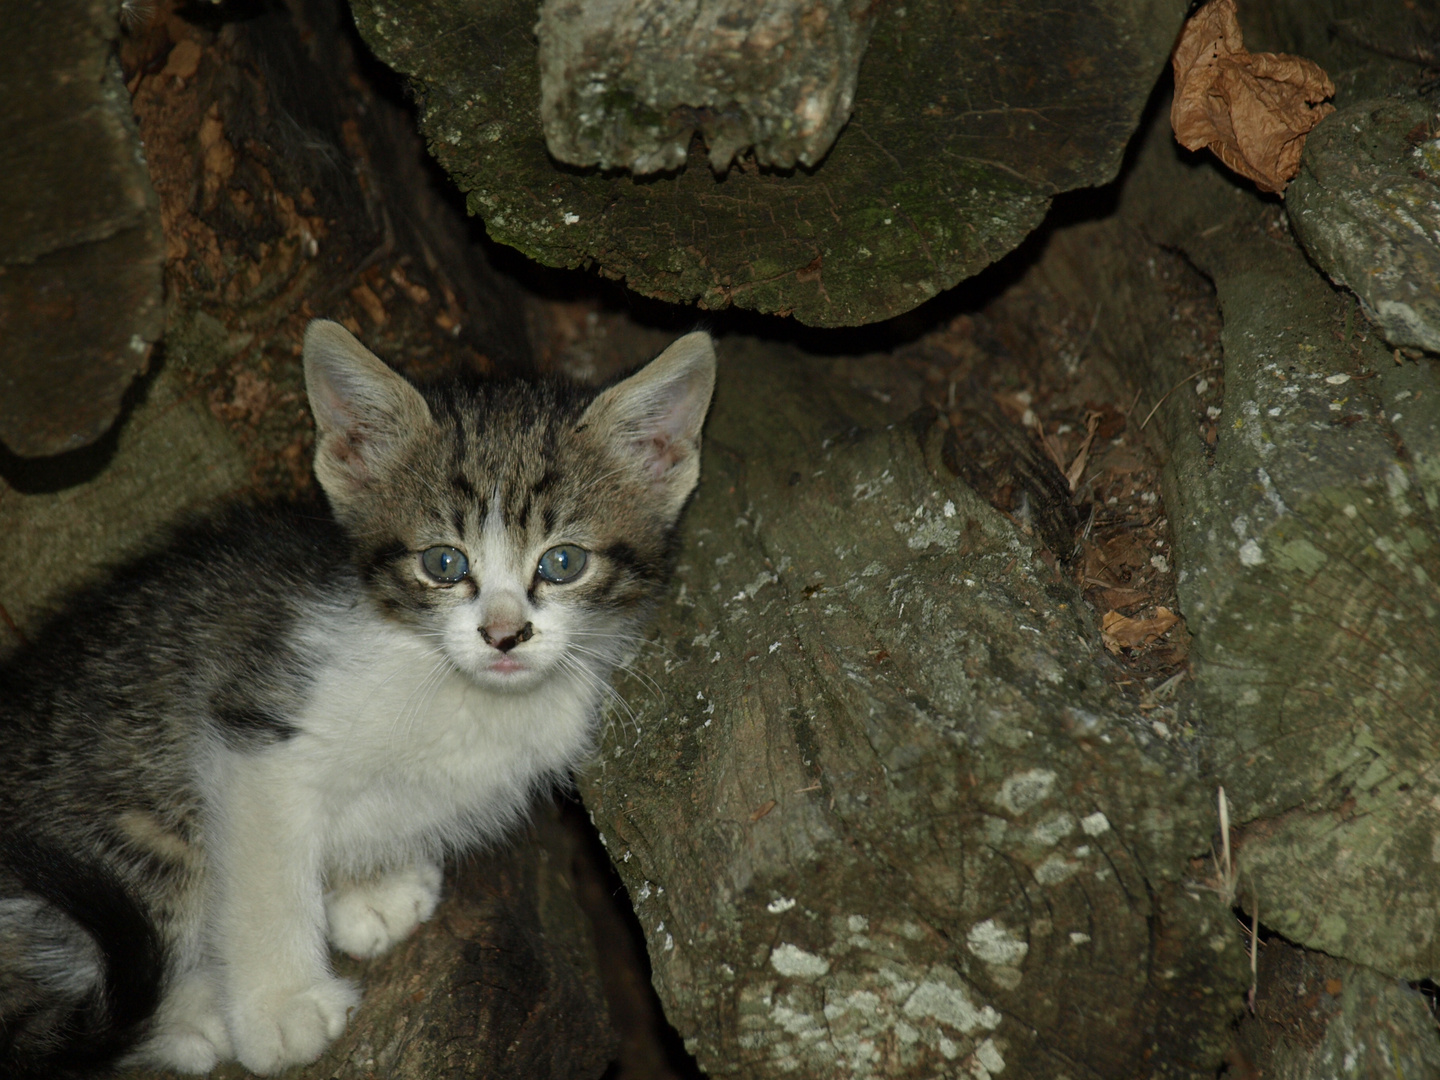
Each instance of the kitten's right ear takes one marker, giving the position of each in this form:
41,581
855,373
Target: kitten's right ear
363,409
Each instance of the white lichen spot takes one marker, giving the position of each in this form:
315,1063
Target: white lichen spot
949,1005
797,1022
1337,380
644,893
858,924
989,1058
907,1035
1250,554
1077,938
1053,831
571,219
1094,824
868,489
794,962
1055,869
765,577
994,943
774,645
948,1048
779,905
948,509
857,1001
1023,790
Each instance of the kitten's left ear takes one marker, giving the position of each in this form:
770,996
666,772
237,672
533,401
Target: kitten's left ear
364,410
654,417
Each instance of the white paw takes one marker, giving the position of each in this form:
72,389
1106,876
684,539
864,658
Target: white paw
368,918
275,1030
189,1035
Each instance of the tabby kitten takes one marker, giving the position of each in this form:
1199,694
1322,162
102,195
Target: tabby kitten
269,732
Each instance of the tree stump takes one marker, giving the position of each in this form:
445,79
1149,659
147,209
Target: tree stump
966,121
884,816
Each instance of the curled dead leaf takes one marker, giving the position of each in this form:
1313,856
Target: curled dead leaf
1253,110
1124,632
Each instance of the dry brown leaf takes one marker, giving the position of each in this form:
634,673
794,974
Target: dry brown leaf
1122,632
1253,110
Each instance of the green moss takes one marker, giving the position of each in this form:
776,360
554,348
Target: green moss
908,202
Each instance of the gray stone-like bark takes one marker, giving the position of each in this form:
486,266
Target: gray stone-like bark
1308,563
1366,205
887,818
1317,1017
81,253
626,83
966,121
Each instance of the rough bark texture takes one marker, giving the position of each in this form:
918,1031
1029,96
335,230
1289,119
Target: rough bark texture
1316,1016
1367,208
966,121
80,247
1309,565
1310,582
627,83
887,817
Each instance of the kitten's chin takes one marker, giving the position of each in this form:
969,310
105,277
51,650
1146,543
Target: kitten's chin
507,674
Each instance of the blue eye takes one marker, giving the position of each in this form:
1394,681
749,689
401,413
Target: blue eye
445,564
562,563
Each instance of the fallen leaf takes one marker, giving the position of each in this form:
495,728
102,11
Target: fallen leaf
1077,467
1253,110
1123,632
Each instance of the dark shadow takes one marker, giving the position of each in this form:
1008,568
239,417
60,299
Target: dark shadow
47,475
650,1049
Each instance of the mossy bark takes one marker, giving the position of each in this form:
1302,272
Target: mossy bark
887,817
1309,575
1307,545
967,119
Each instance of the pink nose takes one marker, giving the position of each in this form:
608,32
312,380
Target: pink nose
504,636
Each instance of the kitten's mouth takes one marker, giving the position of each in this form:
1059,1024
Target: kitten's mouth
505,665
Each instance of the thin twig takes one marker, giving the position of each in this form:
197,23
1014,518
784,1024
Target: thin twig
1254,950
1227,868
1182,382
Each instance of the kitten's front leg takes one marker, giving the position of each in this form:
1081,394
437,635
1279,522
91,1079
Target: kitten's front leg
283,1005
367,917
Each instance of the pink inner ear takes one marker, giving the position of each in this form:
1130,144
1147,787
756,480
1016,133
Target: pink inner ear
661,454
346,449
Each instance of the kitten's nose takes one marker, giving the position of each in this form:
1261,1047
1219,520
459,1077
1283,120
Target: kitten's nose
504,636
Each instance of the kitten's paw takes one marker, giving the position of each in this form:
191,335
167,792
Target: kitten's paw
368,918
277,1030
189,1035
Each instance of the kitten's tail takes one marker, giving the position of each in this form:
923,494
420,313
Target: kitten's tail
80,964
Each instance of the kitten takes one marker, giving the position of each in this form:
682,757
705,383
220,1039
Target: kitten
271,731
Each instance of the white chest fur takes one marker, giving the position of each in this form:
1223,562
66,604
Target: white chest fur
401,751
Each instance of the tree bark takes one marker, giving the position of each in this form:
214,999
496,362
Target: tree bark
966,121
885,816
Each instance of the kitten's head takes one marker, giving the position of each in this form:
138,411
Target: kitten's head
524,528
